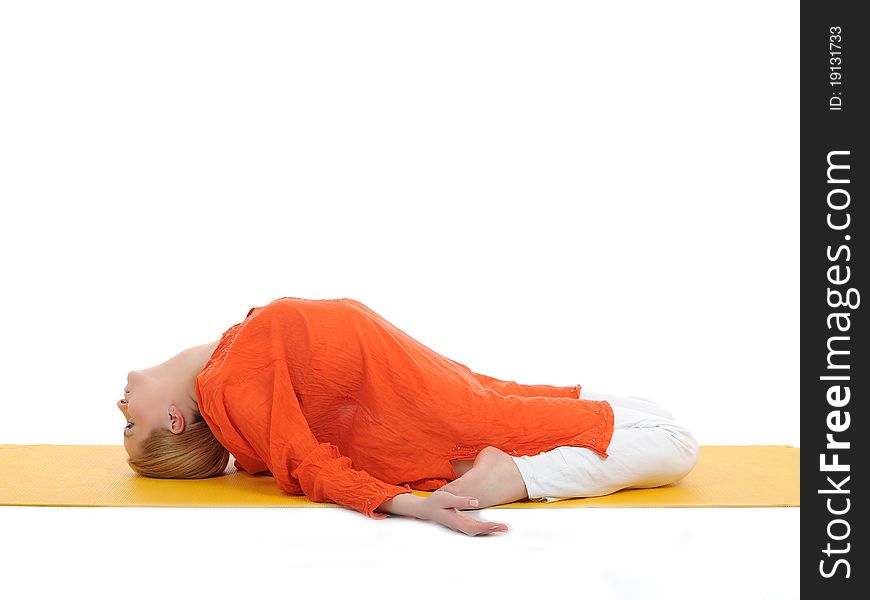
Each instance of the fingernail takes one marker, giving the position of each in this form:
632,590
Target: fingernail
474,503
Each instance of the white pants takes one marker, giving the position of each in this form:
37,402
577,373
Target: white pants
648,449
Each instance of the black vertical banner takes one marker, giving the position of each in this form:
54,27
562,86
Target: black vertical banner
835,370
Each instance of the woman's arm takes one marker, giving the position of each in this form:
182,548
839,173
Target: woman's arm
405,505
441,507
521,389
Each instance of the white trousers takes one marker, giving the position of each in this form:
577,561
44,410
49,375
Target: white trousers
648,449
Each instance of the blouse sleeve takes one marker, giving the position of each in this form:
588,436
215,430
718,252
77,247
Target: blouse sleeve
265,410
513,388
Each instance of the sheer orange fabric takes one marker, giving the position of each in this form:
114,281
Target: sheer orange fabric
342,406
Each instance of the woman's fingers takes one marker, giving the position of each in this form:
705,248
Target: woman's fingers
470,526
447,499
491,526
468,502
484,526
446,508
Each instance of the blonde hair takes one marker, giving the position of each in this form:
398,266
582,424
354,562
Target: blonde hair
195,453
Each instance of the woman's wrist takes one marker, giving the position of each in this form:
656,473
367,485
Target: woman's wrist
406,505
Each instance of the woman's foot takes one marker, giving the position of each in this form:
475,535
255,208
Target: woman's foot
461,467
493,479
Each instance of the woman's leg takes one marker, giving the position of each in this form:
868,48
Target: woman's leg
648,449
633,402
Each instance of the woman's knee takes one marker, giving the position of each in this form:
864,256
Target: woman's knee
636,403
686,451
653,407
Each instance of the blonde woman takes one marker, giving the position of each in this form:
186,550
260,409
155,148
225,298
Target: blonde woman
338,404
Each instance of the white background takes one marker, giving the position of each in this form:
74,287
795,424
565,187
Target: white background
550,192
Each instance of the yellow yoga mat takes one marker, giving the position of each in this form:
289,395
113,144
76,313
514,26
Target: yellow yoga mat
53,475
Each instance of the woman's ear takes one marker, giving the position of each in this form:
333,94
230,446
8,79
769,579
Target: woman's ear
176,420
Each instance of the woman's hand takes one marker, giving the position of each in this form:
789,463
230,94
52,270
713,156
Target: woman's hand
445,508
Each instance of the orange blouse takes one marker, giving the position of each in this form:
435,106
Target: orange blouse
339,404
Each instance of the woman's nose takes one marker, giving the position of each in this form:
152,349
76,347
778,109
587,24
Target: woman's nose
122,404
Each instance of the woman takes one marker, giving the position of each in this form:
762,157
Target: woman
338,404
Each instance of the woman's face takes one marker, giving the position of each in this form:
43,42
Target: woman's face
163,396
146,405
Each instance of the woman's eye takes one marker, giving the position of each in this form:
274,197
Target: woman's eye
129,425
